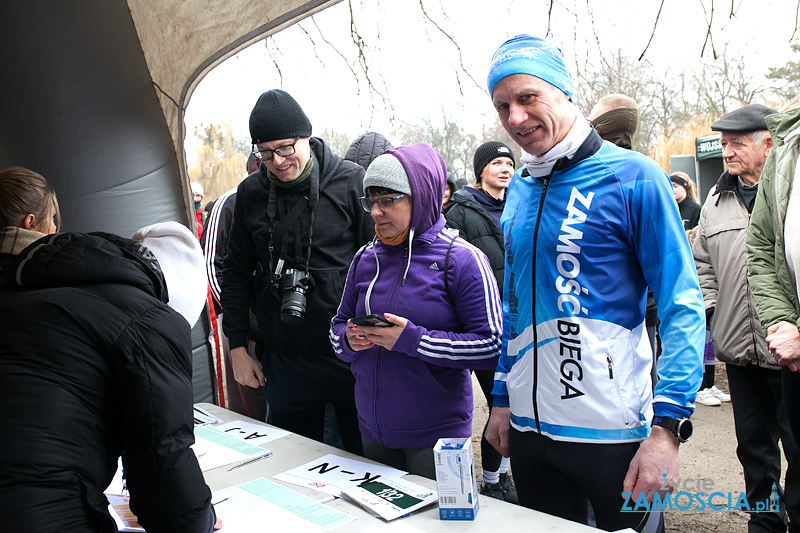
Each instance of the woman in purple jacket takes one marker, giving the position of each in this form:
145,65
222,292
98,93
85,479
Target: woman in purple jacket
439,297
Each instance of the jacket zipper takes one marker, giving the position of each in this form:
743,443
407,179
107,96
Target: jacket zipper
382,352
533,303
620,403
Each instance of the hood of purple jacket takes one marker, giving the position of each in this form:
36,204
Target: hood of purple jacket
427,176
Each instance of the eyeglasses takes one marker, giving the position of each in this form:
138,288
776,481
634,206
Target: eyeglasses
385,203
282,151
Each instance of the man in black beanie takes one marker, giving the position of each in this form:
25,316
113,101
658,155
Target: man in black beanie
297,225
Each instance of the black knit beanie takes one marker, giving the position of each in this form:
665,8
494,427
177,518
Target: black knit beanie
488,151
278,116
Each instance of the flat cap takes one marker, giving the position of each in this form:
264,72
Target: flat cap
747,118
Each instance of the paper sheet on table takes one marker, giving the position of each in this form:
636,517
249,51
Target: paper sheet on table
391,498
331,474
260,503
203,416
214,448
255,434
120,509
118,503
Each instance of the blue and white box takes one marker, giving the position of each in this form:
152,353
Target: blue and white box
455,479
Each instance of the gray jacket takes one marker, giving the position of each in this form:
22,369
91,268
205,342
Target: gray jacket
720,254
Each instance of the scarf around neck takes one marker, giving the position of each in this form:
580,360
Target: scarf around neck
393,241
299,179
13,240
539,166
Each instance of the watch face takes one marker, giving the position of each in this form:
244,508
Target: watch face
685,430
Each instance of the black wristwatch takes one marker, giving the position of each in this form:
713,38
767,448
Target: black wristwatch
680,427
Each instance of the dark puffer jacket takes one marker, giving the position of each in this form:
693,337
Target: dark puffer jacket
468,214
94,364
366,148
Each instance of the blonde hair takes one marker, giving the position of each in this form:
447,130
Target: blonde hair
691,190
23,192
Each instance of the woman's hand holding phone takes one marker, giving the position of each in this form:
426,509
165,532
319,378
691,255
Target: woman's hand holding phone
363,337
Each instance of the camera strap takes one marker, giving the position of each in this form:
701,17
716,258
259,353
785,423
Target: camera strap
277,233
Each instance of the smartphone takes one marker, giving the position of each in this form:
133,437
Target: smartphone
371,320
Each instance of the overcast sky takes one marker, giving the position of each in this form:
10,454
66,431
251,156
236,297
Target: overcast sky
417,68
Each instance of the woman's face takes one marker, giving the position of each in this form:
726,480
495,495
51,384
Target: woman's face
497,174
679,192
448,192
393,219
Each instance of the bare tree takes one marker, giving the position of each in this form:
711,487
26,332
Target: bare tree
724,85
786,78
448,138
220,159
337,141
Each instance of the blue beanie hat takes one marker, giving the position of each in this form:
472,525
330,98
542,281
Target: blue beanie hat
526,54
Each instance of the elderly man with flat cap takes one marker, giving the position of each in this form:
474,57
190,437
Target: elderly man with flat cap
588,226
297,224
754,377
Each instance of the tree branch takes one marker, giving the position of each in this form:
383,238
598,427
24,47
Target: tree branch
458,48
709,37
353,72
267,41
361,46
655,24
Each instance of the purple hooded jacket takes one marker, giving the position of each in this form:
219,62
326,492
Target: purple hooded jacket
421,390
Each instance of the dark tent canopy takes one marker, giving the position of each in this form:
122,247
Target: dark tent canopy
93,97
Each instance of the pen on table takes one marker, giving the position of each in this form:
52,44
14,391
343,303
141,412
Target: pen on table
219,502
253,460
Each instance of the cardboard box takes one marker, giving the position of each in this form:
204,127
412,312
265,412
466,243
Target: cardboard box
455,479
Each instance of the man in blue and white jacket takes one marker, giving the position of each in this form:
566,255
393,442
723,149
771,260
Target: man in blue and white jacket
588,227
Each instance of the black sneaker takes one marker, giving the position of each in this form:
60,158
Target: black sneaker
509,490
502,490
493,490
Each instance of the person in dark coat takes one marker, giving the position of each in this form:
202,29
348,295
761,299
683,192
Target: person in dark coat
449,189
475,213
366,148
685,195
94,364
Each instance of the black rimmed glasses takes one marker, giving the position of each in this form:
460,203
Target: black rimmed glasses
282,151
385,203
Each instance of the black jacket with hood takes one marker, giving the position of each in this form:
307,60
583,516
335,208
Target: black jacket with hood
474,223
366,148
94,364
340,227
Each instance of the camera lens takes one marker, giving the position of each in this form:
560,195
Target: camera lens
293,307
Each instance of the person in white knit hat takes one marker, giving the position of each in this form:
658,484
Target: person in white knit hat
181,259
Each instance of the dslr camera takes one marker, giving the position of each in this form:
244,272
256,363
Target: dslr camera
291,287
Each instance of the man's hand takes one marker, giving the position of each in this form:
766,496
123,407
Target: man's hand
783,341
246,370
218,524
657,455
498,429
